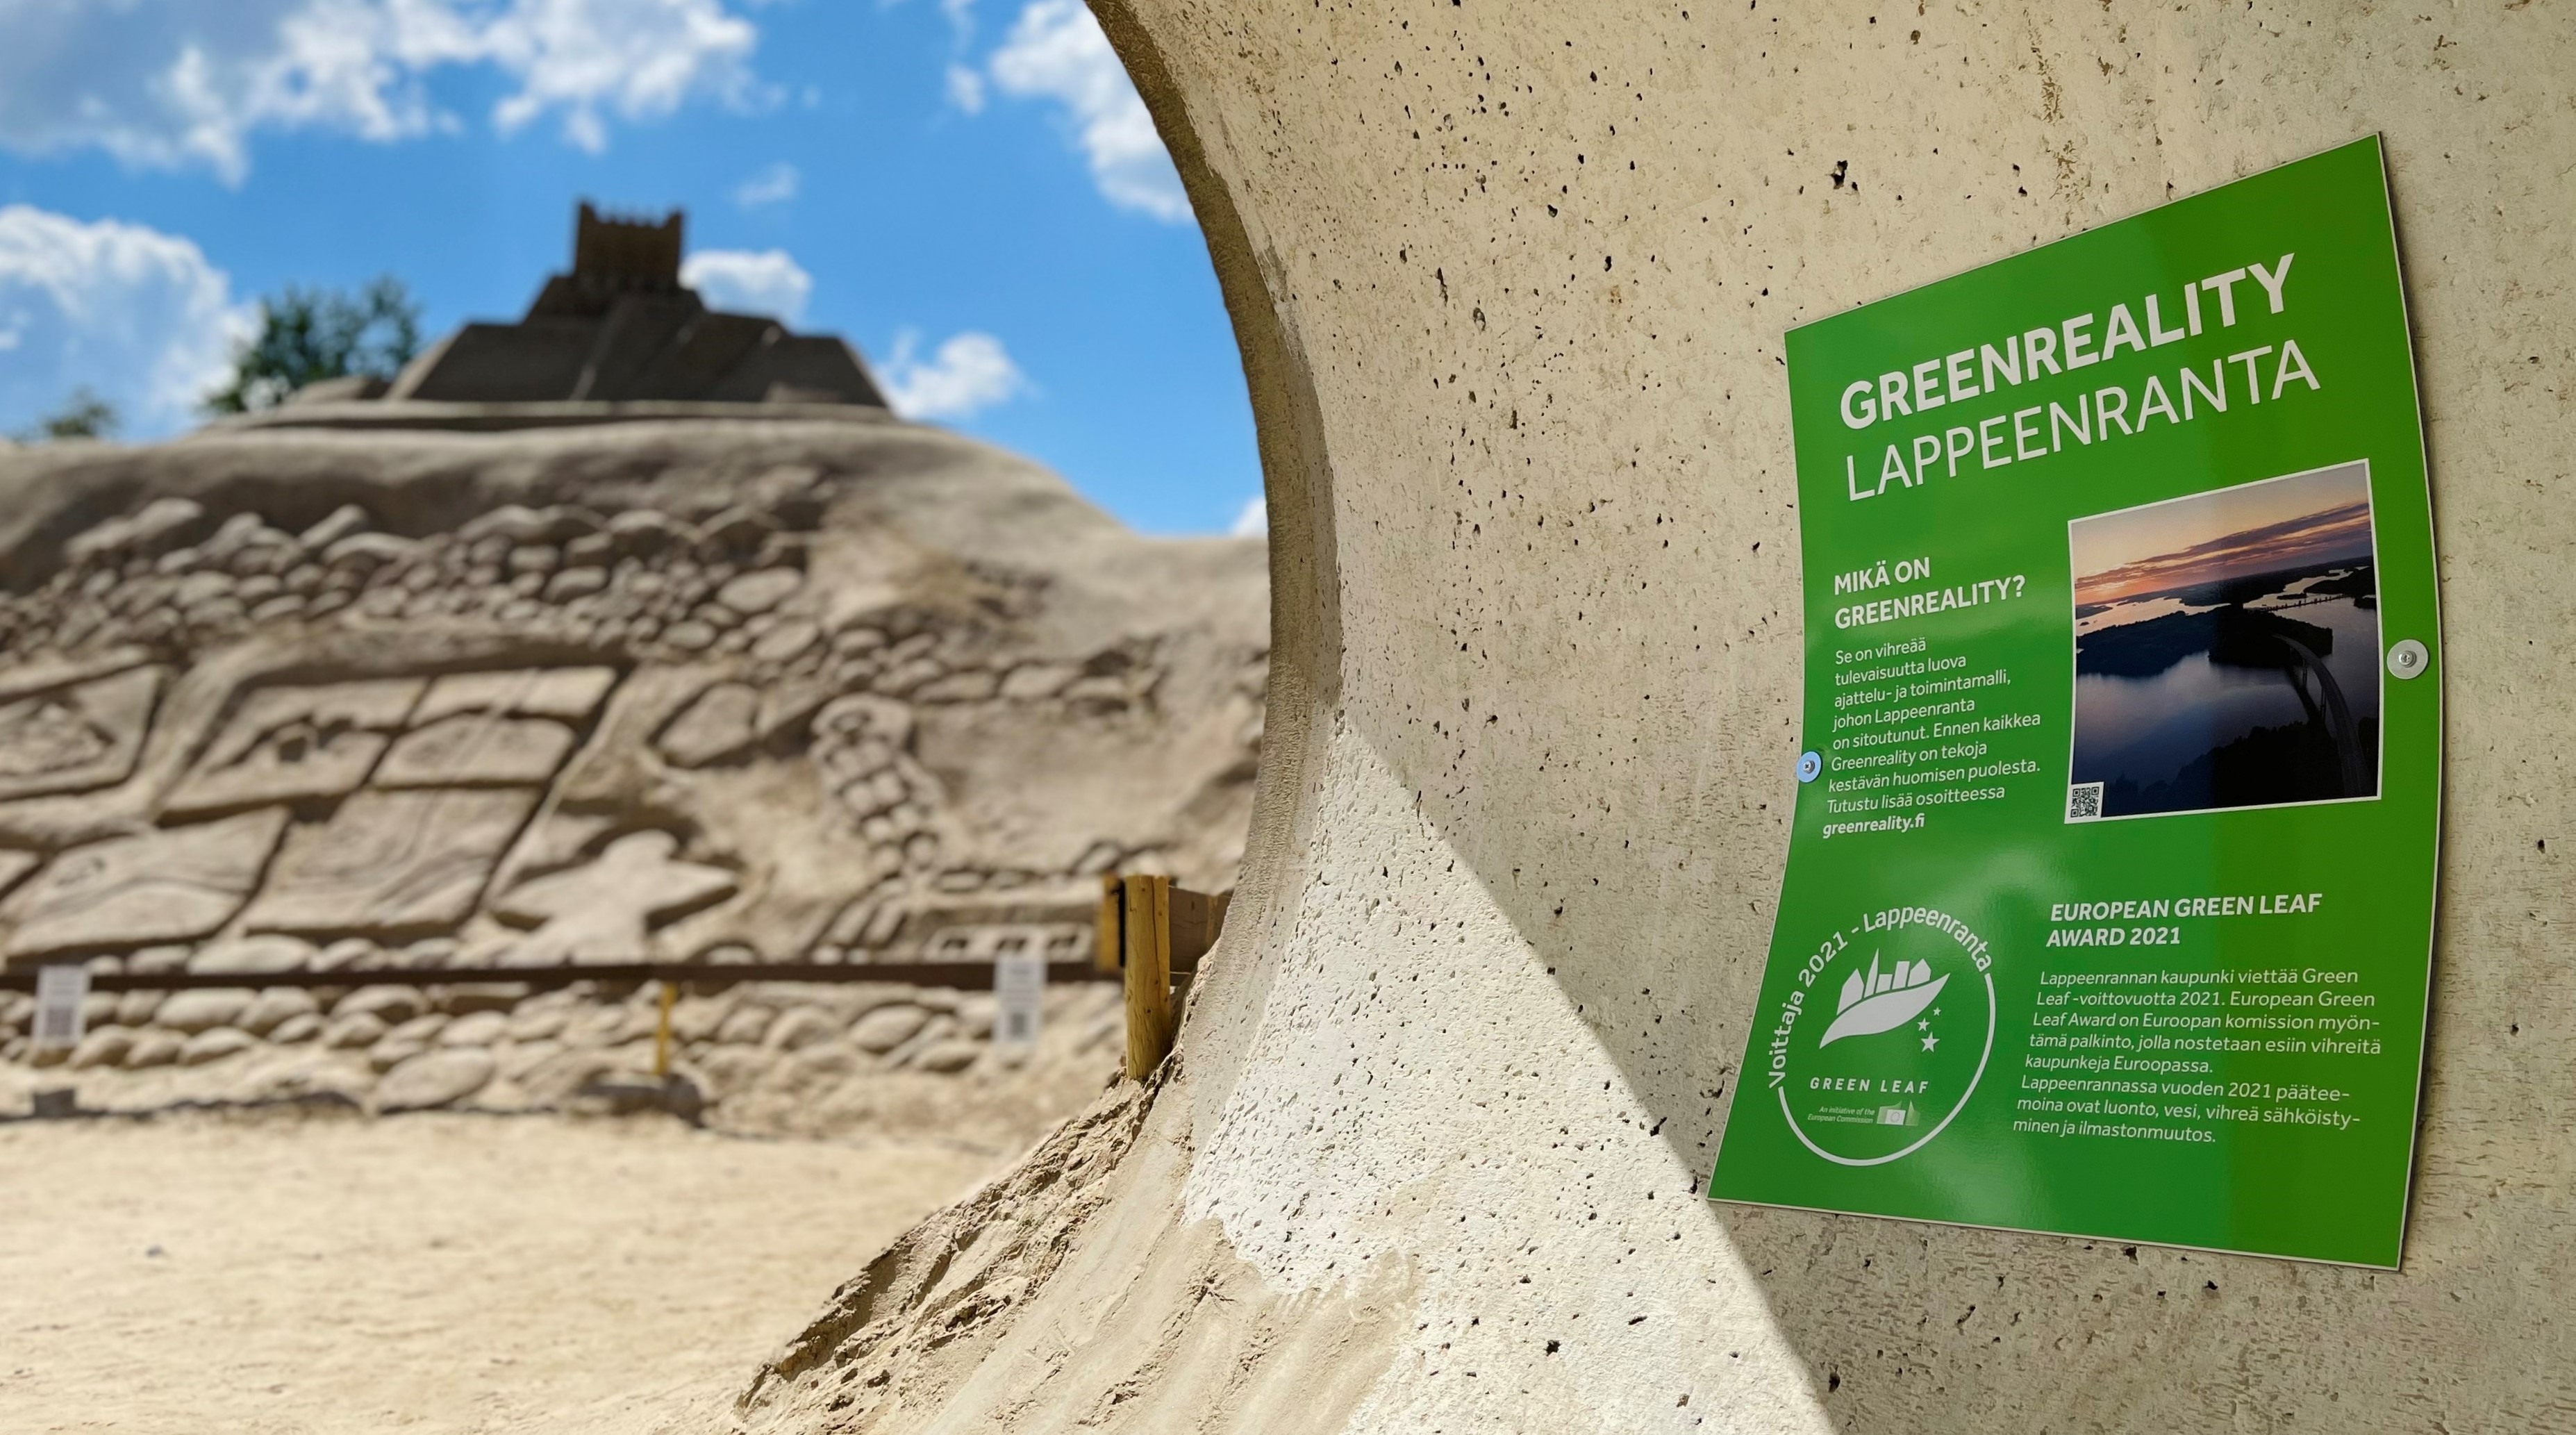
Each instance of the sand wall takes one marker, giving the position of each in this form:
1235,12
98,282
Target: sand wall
370,693
1511,281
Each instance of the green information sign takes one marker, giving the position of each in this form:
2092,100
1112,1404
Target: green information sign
2109,906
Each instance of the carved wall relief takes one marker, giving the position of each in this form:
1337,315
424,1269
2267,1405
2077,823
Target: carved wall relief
293,743
507,728
719,723
984,942
601,911
863,746
571,694
391,862
129,892
413,845
477,749
76,736
386,807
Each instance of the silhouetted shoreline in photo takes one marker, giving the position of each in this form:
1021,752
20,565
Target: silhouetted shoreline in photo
2231,688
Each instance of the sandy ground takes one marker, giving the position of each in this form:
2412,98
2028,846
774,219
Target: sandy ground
285,1273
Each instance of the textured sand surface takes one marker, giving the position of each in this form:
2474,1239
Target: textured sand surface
703,689
438,1273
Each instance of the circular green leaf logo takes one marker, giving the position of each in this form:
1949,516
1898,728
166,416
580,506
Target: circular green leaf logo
1885,1036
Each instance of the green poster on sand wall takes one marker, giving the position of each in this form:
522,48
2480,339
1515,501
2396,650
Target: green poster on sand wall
2109,904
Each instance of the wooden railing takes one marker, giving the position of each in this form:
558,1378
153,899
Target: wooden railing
1150,935
963,976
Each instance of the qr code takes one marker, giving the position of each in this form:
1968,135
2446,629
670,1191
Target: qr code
2084,802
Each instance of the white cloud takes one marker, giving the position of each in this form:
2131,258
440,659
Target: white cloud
1253,521
1056,51
135,315
966,89
180,83
775,184
970,373
745,281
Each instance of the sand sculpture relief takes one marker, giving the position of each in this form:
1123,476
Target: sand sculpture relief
600,911
77,735
597,719
391,863
363,748
289,743
864,750
163,886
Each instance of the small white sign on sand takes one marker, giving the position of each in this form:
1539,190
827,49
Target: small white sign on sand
61,992
1019,980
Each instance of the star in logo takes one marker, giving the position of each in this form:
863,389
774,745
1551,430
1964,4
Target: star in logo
1930,1041
1923,1025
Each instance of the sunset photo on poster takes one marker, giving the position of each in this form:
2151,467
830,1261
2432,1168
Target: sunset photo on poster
2227,649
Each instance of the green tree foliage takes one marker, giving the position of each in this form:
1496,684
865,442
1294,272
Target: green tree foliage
307,335
83,415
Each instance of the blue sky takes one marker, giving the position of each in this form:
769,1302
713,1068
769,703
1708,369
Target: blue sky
967,190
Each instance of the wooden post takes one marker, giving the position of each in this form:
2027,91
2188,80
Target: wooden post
662,1030
1148,924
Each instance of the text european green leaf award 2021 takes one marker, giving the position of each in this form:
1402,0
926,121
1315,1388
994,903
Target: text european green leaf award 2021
2109,905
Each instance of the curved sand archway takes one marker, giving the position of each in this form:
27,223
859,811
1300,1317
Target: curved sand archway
1510,282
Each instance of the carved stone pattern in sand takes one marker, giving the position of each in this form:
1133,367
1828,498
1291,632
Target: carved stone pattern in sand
788,674
76,736
391,862
601,910
477,749
295,743
126,892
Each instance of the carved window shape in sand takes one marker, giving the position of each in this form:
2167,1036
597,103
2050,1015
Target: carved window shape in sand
75,736
497,728
129,892
392,863
287,744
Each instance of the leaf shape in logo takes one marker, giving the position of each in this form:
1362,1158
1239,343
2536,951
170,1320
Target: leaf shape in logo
1885,1011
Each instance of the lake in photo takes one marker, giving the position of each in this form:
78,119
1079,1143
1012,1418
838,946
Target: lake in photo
2227,648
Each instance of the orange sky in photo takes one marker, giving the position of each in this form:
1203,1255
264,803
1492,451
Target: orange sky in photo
2257,528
